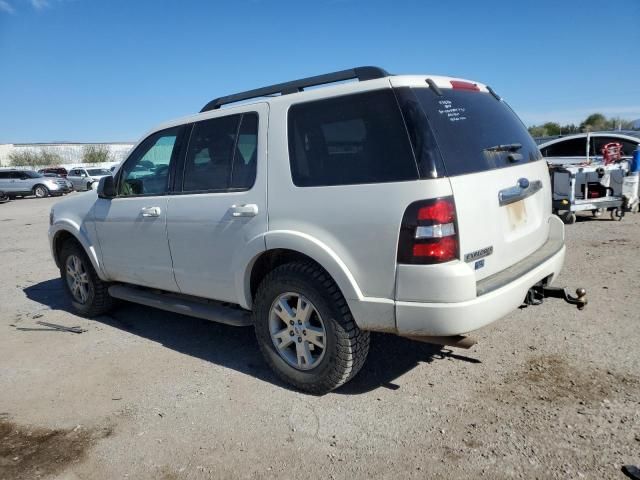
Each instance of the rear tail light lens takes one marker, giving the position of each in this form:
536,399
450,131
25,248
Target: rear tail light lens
429,233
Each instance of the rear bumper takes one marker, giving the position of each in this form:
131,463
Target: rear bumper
413,318
494,297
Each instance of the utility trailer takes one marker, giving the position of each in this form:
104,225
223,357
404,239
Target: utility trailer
592,187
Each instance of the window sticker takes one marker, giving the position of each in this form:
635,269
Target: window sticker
453,113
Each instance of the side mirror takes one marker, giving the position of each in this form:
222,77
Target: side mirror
107,187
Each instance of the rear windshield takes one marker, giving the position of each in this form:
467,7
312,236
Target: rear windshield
472,132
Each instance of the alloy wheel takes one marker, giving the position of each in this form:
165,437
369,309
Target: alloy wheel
297,331
77,279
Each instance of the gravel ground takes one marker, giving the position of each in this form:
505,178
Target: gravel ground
548,392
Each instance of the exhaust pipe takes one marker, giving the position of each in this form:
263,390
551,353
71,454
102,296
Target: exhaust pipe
459,341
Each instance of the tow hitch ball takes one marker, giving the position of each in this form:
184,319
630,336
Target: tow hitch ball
537,294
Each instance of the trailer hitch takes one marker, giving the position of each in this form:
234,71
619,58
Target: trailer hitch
537,294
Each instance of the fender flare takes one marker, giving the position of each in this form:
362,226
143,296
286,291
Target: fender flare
297,242
80,234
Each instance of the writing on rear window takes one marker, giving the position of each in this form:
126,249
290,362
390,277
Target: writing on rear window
453,113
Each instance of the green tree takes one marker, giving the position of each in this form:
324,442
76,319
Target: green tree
96,154
594,122
23,158
552,128
537,131
33,158
47,157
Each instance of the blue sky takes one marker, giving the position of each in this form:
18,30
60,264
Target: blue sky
108,70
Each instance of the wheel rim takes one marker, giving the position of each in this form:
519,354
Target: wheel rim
40,192
297,331
77,279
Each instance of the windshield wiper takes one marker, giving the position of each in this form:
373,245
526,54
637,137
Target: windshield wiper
507,147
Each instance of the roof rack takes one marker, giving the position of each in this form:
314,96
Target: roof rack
361,73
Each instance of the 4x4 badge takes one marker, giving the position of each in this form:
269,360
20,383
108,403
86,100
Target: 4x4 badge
483,252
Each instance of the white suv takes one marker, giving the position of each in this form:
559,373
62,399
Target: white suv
414,205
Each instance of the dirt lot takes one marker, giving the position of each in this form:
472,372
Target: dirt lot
549,392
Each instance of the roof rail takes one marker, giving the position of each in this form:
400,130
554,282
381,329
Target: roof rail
361,73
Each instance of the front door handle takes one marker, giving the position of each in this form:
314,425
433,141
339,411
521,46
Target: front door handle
151,211
246,210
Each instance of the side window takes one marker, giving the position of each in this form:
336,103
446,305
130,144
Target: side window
599,142
210,153
4,175
346,140
575,147
245,159
222,154
146,171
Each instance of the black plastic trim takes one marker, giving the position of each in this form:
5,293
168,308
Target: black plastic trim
550,248
294,86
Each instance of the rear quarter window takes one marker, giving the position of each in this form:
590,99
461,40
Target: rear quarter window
352,139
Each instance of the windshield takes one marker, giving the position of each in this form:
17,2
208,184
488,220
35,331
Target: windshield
472,132
98,171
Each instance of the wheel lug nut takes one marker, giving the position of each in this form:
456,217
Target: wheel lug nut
291,332
299,322
299,339
304,332
291,322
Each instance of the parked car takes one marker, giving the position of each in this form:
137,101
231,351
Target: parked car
21,183
84,178
574,148
55,175
61,171
365,213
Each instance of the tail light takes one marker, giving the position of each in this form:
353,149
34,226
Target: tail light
461,85
429,232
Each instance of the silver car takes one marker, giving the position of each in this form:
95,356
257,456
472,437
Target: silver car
16,183
83,178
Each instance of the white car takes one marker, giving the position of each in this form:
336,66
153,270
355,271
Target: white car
84,178
574,148
413,205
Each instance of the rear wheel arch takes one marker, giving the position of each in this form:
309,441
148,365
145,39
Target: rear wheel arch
270,260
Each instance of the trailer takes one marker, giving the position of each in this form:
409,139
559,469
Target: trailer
595,187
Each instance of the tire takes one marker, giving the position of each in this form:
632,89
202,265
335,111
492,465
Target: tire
97,301
617,214
89,185
597,212
40,191
345,345
568,217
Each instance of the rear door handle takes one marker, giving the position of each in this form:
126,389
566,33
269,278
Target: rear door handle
246,210
522,190
151,211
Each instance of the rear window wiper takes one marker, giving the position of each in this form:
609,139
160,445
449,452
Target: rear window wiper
508,147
